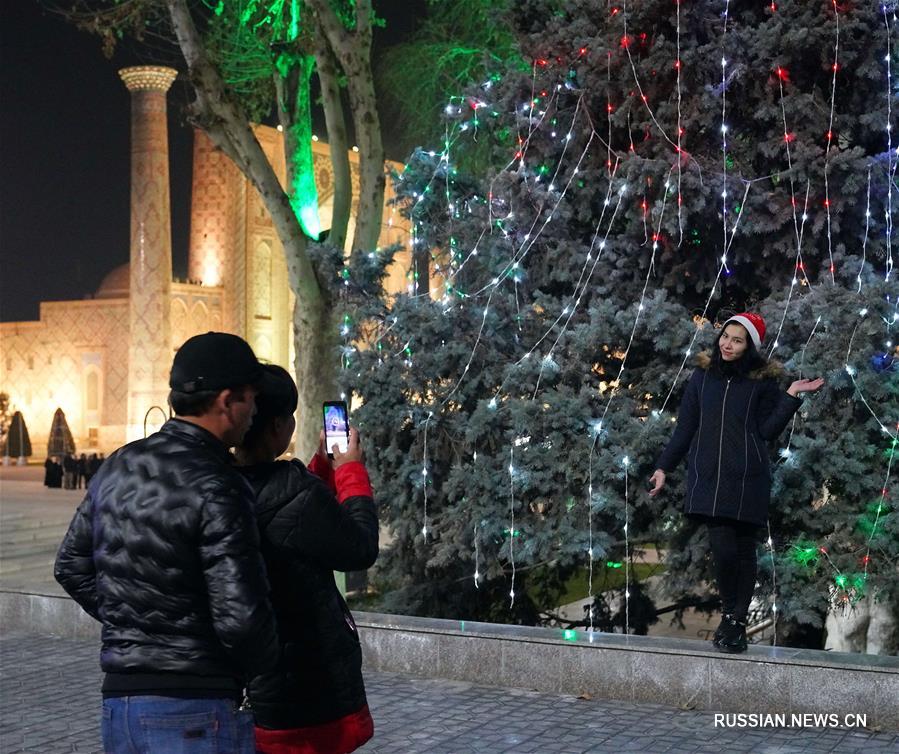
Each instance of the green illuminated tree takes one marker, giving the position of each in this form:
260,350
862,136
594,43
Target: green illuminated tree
458,42
244,58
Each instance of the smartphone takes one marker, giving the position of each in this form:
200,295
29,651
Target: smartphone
337,426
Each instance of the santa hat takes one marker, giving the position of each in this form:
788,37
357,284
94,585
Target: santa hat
754,325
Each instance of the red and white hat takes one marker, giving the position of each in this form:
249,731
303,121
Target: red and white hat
754,325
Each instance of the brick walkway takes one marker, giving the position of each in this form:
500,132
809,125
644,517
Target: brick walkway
49,704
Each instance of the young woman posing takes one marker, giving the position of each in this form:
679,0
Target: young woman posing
731,409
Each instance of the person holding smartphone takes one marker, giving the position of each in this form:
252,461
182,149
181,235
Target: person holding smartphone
312,520
732,407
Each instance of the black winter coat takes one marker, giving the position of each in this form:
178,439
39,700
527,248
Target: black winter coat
306,536
725,424
164,551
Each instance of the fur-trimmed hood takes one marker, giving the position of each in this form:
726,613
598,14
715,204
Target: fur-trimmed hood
772,370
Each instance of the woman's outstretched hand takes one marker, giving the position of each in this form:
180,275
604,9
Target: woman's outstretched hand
805,386
658,481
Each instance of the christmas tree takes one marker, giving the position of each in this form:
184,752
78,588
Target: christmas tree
658,168
17,443
60,442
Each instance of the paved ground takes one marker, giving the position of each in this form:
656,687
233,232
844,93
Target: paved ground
33,520
49,702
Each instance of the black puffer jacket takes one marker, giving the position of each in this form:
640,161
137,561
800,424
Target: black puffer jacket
164,551
726,425
306,536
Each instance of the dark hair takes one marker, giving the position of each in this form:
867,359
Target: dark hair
748,362
277,397
192,404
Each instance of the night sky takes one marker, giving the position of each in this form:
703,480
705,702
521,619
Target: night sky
64,156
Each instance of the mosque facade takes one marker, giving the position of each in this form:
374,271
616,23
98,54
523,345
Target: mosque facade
104,360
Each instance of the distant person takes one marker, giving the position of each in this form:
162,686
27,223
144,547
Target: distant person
81,472
70,470
56,473
48,471
313,521
164,552
732,408
93,464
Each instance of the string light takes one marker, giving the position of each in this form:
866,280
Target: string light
724,132
678,65
477,555
424,480
626,462
867,227
512,522
891,167
833,97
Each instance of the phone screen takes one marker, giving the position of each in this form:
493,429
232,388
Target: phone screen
337,426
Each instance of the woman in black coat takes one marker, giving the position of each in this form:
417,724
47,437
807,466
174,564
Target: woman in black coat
731,409
312,522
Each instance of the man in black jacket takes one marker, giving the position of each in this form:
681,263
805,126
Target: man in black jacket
164,551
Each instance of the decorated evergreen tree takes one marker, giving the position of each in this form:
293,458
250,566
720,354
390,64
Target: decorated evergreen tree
18,443
60,442
665,166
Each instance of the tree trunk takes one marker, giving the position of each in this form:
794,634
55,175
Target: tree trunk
868,627
372,180
353,51
337,141
421,271
315,363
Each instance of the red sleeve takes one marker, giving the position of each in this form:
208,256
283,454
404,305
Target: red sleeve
322,468
351,480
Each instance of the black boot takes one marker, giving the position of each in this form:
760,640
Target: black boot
719,632
733,636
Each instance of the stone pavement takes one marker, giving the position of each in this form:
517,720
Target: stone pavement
49,704
33,520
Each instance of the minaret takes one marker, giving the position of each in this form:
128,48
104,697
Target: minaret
149,351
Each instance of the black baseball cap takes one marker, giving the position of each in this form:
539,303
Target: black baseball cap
214,361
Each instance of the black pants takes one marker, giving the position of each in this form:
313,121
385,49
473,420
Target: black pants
736,563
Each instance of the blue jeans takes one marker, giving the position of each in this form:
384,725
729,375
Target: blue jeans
169,725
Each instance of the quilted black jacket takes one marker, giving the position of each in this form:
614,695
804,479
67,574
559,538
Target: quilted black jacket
306,536
724,427
164,551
